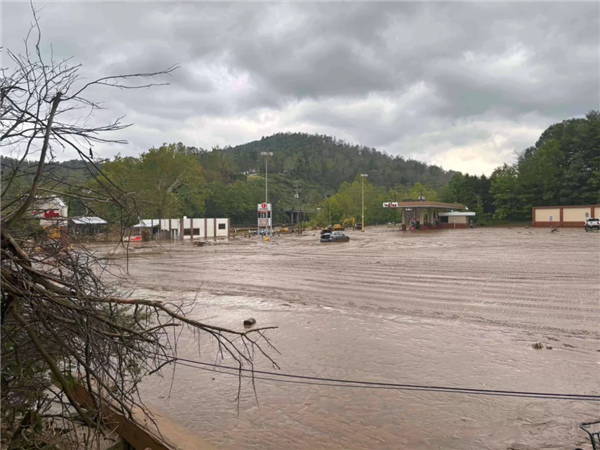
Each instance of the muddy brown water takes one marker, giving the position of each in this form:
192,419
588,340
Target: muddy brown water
452,308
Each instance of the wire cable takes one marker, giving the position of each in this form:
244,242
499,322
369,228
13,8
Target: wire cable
320,381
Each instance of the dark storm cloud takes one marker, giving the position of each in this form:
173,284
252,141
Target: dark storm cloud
429,79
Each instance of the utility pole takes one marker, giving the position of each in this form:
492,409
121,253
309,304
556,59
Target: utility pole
363,176
328,200
395,209
297,196
266,155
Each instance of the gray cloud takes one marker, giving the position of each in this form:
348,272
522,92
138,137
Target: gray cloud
428,80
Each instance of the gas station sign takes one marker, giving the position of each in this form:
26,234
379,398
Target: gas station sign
265,218
390,204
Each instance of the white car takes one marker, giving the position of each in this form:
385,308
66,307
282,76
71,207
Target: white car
592,224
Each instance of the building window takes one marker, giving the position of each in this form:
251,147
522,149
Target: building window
221,226
444,219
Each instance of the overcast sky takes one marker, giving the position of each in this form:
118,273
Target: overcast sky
461,85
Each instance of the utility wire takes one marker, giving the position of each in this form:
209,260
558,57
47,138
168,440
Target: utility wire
319,381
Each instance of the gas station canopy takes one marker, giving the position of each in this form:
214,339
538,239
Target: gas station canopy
423,204
425,214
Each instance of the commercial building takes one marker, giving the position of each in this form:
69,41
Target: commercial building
424,214
563,216
186,228
51,211
456,219
88,226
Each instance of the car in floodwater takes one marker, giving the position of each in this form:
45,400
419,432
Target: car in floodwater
592,224
334,236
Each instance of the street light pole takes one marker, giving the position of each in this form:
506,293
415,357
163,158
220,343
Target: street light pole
395,210
328,200
363,176
266,155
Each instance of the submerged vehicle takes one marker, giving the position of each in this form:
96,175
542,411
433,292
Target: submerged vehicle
334,236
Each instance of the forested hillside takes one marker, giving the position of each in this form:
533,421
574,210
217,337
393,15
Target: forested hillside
328,162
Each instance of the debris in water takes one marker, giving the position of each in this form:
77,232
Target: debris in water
249,322
538,345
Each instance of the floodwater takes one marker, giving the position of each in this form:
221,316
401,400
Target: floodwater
453,308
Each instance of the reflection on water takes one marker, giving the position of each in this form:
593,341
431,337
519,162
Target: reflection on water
385,347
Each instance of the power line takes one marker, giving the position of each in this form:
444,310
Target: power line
319,381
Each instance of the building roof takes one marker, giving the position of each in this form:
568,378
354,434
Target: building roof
423,204
148,223
88,221
52,201
456,213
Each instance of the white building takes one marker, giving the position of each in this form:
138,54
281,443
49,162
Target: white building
52,211
187,227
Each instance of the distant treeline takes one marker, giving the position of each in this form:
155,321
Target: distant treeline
563,167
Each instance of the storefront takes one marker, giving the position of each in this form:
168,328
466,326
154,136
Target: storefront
563,216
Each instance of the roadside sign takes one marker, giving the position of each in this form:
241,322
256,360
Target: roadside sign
265,218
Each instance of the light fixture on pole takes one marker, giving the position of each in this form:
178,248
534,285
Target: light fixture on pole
266,155
363,176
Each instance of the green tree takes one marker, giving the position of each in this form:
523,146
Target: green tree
163,182
506,191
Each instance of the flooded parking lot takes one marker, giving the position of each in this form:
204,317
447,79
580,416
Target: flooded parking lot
451,308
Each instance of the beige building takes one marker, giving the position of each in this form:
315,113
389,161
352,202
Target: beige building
563,216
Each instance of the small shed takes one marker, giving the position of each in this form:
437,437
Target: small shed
87,225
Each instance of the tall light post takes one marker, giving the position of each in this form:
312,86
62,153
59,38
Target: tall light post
363,176
266,155
328,200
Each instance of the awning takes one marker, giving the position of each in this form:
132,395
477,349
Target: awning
423,204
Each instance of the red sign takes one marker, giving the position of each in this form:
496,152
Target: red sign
263,205
135,238
51,213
